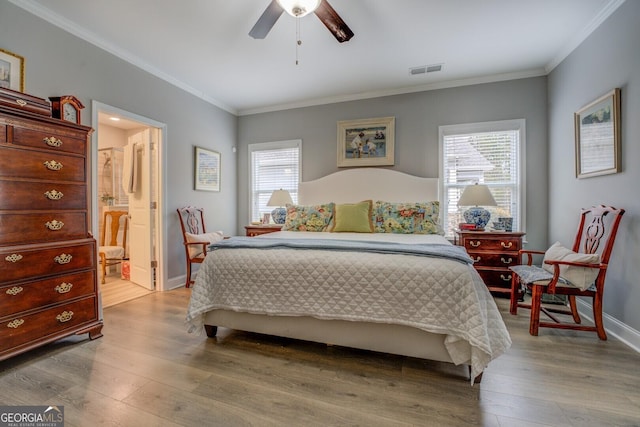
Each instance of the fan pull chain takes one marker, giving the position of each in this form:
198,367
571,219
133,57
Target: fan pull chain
298,41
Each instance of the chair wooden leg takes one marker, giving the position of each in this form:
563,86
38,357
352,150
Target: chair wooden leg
536,303
103,264
515,283
574,309
188,284
597,316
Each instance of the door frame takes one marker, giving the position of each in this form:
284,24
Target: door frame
160,235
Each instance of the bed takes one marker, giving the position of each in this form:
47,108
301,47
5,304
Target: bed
408,293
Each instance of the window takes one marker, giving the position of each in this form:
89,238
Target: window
489,153
273,165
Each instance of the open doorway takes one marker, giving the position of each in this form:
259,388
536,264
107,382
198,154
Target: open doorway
128,148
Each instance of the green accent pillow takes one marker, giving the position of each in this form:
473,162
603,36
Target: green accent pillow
353,217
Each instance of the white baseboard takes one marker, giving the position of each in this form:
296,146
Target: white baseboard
613,326
175,283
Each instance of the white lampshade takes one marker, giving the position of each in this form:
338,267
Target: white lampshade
477,195
299,8
280,198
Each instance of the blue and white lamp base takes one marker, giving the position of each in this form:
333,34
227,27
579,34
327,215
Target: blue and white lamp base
279,215
478,216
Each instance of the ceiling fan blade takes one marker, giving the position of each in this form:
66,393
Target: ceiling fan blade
266,21
333,22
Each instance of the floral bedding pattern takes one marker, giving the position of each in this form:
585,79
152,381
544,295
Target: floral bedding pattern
407,218
308,218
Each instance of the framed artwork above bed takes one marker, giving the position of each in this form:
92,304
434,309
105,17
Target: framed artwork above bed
366,142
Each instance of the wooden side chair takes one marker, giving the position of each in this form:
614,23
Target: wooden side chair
196,240
113,242
580,271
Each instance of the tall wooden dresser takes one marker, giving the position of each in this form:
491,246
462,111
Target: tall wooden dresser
48,280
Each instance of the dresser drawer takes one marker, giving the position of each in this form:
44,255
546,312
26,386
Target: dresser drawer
54,139
494,259
25,195
21,263
40,325
15,298
496,279
484,244
42,227
31,164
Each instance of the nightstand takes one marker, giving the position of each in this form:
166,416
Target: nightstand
258,229
493,252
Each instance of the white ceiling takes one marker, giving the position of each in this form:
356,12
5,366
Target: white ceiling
203,46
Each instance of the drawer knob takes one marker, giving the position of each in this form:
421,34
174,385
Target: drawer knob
506,245
507,278
63,287
21,102
13,257
506,261
52,141
475,243
477,259
52,165
63,259
54,225
54,195
15,323
15,290
65,316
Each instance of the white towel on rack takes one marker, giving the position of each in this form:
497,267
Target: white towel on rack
129,169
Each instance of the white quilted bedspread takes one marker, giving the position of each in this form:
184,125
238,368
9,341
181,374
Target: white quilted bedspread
433,294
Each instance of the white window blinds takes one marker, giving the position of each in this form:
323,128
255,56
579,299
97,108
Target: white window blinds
486,153
274,166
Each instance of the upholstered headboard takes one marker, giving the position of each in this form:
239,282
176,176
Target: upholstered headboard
353,185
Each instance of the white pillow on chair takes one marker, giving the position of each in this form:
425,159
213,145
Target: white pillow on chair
196,250
580,277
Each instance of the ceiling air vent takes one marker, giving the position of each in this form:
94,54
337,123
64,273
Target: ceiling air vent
423,69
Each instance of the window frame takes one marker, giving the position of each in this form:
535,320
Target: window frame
518,125
268,146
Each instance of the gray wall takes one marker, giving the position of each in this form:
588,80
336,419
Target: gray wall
58,63
418,116
609,58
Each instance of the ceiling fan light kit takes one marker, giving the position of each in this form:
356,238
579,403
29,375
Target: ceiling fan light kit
299,8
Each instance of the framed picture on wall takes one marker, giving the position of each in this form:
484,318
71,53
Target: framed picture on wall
366,142
597,128
11,71
207,169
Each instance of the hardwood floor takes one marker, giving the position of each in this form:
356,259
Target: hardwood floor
116,291
147,371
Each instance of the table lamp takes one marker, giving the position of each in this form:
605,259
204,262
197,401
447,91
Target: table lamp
477,195
279,198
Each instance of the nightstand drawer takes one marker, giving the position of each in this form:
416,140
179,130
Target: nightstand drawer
493,244
256,230
500,279
493,259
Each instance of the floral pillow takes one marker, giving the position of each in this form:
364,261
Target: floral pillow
308,218
407,218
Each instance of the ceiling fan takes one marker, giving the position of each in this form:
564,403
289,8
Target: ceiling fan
298,9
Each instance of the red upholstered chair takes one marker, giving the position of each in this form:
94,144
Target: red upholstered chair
195,238
580,271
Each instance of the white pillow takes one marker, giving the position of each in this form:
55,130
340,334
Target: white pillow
580,277
196,250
